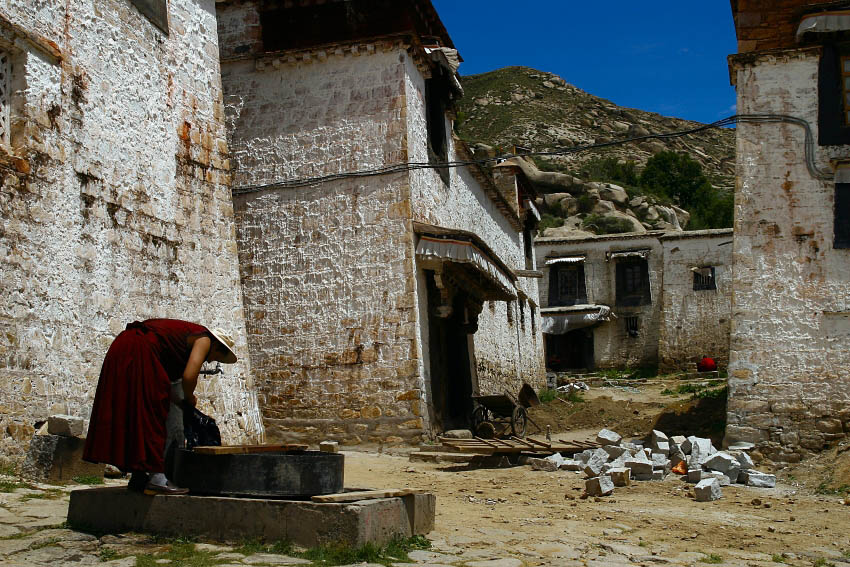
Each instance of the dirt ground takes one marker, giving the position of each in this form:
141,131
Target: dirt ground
541,519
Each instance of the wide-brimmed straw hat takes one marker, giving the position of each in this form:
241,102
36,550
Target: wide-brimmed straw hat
224,338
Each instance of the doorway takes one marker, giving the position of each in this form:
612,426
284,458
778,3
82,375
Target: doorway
570,351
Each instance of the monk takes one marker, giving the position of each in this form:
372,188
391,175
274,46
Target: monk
150,369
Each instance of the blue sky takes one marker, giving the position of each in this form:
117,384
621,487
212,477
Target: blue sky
662,56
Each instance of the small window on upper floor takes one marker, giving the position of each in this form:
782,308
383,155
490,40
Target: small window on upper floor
834,95
704,278
154,10
841,228
633,283
566,283
5,99
436,89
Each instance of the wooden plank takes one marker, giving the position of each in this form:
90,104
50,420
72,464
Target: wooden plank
244,449
364,495
518,440
541,443
486,442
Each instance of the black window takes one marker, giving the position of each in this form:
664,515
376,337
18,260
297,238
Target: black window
834,95
436,91
704,279
633,283
154,10
566,284
632,324
842,216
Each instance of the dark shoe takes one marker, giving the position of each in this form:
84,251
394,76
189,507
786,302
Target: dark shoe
169,488
138,480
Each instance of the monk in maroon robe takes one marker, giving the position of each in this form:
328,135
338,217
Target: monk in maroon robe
140,383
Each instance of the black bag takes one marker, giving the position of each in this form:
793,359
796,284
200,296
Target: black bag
199,429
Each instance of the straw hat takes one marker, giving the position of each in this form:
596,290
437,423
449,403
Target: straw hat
224,338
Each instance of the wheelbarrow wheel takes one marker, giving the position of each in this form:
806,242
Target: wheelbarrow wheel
519,419
481,425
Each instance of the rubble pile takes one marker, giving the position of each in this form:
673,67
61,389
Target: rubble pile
617,462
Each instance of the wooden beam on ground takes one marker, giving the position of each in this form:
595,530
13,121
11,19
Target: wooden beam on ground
364,495
244,449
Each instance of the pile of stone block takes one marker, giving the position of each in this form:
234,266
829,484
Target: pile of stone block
55,454
617,463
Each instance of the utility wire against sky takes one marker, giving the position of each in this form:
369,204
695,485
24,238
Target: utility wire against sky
808,143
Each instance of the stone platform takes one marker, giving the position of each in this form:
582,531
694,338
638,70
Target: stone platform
306,523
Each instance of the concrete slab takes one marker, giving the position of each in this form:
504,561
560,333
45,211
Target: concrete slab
118,510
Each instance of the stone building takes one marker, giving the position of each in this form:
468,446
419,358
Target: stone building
114,199
789,384
375,305
635,300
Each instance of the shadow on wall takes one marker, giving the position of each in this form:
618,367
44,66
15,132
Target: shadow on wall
703,417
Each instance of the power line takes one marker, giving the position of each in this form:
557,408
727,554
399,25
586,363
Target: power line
412,166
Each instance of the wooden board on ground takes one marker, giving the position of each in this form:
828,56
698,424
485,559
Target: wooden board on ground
244,449
363,495
517,445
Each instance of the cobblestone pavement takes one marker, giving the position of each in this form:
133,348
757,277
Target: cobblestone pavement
492,518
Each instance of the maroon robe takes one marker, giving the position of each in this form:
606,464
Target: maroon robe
127,427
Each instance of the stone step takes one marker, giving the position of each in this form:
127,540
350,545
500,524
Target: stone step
441,457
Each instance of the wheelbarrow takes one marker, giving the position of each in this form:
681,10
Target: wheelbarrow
504,410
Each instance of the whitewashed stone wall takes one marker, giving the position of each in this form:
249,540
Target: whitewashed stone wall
507,350
680,325
695,323
612,345
115,205
327,270
789,387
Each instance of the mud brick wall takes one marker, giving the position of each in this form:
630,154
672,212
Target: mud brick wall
115,204
327,270
695,323
789,388
771,24
508,351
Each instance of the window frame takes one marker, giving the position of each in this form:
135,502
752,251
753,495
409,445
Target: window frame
559,298
705,284
627,295
156,11
841,217
833,109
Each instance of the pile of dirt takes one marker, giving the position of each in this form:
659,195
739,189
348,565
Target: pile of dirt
827,472
636,417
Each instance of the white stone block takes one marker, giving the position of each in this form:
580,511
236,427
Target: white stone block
599,486
744,459
760,479
542,465
694,475
722,478
659,437
571,465
556,458
661,447
329,447
620,476
608,437
639,467
615,451
721,462
708,490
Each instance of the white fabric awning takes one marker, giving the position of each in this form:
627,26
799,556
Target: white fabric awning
824,22
565,260
630,254
562,323
465,253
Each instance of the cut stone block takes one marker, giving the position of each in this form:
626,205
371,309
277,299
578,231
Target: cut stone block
305,523
620,476
694,475
608,437
744,459
584,456
700,451
660,461
659,437
708,490
677,456
658,475
662,447
760,479
56,458
615,451
741,446
722,462
65,425
556,458
329,447
642,477
617,463
458,434
722,478
648,452
594,466
681,442
639,467
571,465
542,465
599,486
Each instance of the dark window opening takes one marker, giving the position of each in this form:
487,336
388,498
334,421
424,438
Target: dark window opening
633,283
704,279
154,10
834,95
528,244
436,91
522,314
566,285
632,325
841,230
532,308
510,306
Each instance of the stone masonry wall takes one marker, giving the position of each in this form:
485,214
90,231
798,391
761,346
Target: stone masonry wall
115,205
695,323
327,270
507,350
789,389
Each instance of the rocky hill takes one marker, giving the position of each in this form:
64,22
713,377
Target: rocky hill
520,106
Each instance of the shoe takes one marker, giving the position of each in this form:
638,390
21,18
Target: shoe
138,481
169,488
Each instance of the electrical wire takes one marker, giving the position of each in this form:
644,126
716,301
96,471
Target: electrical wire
808,143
